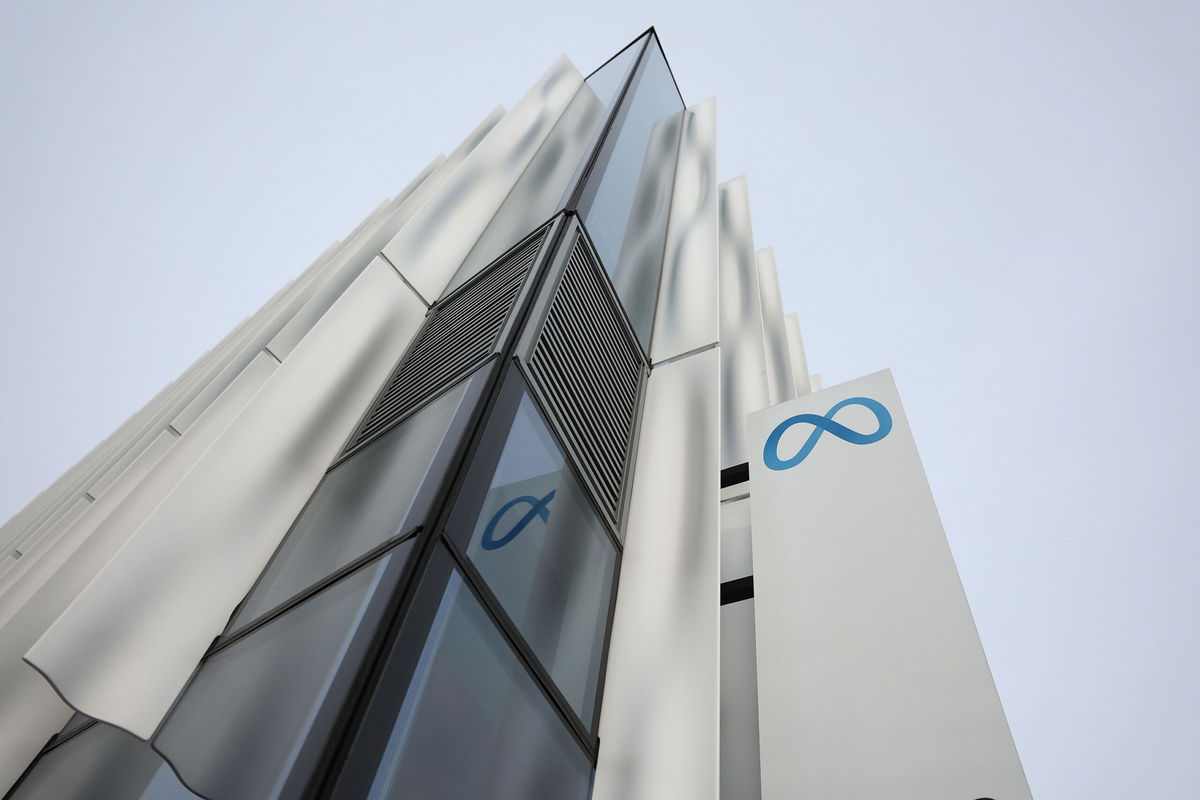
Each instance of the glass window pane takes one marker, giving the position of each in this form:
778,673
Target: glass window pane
238,729
607,81
543,552
473,724
102,763
361,504
631,188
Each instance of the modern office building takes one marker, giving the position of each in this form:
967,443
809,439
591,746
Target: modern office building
465,511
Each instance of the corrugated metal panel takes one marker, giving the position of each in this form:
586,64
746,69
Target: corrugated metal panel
588,371
460,333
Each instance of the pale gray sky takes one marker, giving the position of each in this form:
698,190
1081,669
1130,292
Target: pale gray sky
997,200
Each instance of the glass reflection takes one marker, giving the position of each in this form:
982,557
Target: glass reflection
628,199
101,763
242,726
361,504
542,550
473,724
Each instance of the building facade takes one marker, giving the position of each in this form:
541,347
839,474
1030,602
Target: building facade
464,512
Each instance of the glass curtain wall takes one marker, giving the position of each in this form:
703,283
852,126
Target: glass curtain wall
435,623
626,199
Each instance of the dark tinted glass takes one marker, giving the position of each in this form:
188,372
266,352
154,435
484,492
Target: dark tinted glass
362,503
102,763
628,199
239,729
473,724
536,540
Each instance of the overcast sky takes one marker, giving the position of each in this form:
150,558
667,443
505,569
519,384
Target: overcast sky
999,201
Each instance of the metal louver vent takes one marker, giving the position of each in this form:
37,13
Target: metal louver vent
588,371
460,332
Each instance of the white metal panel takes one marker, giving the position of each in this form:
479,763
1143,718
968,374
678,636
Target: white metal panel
659,723
736,558
796,354
364,245
871,678
739,704
173,585
118,487
743,362
41,585
780,382
433,245
538,194
686,318
367,242
816,383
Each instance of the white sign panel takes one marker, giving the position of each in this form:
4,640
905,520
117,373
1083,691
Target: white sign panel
871,679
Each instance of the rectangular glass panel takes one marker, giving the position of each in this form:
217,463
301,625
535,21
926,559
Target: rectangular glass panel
239,728
542,550
102,762
361,504
473,724
630,188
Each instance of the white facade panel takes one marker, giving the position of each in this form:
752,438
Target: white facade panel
739,704
795,343
743,361
436,241
40,586
686,318
660,717
538,193
780,382
871,678
175,582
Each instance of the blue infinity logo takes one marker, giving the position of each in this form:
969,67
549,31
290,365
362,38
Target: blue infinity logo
537,508
821,424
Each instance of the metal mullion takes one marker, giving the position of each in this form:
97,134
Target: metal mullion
328,773
449,378
311,591
616,55
539,234
491,604
376,436
581,183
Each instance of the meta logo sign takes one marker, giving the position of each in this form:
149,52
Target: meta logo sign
824,424
538,507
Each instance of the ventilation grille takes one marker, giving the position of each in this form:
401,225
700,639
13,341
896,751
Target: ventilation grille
589,371
460,333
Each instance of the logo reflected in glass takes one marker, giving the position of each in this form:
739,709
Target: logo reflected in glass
824,424
537,508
